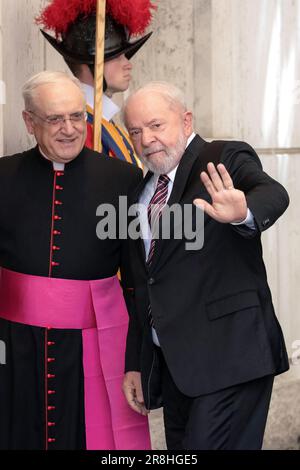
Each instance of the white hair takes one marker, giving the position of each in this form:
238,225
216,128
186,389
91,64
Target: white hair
168,91
44,78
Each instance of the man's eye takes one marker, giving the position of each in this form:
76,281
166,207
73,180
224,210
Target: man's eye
134,132
54,119
77,116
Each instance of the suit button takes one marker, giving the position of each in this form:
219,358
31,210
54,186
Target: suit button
151,281
265,222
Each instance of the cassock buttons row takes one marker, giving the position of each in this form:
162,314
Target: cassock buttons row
50,390
56,218
57,203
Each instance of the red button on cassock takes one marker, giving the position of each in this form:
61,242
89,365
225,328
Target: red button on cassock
50,359
51,392
50,423
51,439
50,343
50,408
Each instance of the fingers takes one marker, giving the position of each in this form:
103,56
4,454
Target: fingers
208,184
138,407
214,180
215,177
226,178
139,393
133,392
139,398
133,402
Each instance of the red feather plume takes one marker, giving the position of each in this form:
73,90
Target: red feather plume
60,14
135,15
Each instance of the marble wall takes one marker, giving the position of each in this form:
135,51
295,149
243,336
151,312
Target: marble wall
239,63
256,71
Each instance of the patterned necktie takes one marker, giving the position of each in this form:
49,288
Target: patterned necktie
155,207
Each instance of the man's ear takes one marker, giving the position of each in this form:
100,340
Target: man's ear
28,122
188,123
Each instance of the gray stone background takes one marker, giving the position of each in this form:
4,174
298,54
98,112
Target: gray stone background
238,62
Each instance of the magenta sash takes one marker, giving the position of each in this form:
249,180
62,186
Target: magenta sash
98,309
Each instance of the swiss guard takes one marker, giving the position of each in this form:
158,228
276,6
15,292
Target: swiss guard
74,25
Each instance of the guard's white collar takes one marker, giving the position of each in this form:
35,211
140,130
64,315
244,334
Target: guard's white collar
109,108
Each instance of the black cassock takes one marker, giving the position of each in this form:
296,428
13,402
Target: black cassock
48,228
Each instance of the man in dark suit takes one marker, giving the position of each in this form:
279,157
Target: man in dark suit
204,341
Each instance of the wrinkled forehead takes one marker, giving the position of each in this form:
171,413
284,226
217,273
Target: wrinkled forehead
153,97
58,95
146,104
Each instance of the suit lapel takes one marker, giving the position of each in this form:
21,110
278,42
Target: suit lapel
134,200
140,187
184,169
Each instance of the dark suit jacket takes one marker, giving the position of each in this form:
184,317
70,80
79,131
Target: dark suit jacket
212,307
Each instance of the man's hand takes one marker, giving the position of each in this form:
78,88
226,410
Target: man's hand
228,204
132,389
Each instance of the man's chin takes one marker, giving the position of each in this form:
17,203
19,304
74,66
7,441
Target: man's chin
159,169
68,152
66,157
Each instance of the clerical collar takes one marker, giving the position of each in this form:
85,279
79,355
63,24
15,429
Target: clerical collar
56,165
109,108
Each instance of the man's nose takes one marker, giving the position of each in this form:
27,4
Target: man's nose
67,127
126,63
147,137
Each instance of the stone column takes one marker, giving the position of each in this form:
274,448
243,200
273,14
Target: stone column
256,97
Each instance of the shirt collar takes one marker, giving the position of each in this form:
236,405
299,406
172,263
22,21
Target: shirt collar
109,108
190,139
